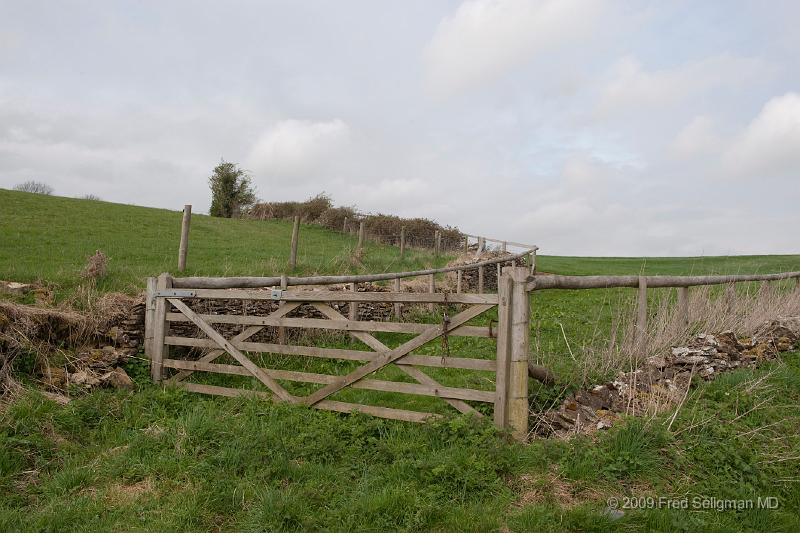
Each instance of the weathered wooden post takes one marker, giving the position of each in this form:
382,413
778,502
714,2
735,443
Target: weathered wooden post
149,316
295,237
518,364
683,305
641,316
398,307
360,236
501,387
183,249
432,290
402,241
353,315
160,328
281,329
480,279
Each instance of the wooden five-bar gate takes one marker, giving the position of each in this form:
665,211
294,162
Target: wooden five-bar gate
167,305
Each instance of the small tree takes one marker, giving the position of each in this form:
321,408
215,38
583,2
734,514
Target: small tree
35,187
231,190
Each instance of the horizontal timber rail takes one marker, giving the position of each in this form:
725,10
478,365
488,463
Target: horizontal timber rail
541,282
271,281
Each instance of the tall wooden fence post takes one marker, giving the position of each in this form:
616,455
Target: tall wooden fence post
183,249
295,237
149,316
160,328
501,387
518,364
402,241
641,316
683,305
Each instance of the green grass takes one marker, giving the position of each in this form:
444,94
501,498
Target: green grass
167,460
163,459
49,238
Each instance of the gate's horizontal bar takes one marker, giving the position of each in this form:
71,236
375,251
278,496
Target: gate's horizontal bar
325,379
328,405
341,325
464,363
343,296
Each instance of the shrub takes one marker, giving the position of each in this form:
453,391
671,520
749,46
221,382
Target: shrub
36,187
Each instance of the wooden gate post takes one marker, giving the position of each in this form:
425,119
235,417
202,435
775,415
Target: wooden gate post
504,287
183,249
295,237
160,327
149,316
518,359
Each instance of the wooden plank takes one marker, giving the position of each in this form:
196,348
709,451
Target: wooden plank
518,364
295,237
183,248
464,363
504,286
273,385
398,307
431,290
244,335
160,326
328,405
426,389
340,325
389,357
378,346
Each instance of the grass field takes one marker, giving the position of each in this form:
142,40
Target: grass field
162,459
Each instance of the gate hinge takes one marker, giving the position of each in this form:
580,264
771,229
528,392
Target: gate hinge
174,293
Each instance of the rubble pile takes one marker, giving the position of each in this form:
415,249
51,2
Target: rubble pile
664,379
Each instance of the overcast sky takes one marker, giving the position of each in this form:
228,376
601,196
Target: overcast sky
586,127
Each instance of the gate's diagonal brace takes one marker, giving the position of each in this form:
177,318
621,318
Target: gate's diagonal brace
273,385
395,354
377,345
243,336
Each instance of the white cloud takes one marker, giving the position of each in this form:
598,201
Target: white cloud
770,145
298,148
484,38
698,138
630,87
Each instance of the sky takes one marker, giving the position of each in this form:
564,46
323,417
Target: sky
586,127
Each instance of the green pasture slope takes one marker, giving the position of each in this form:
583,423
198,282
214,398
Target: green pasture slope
161,459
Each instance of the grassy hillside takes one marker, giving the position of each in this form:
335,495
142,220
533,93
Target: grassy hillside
162,459
49,238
